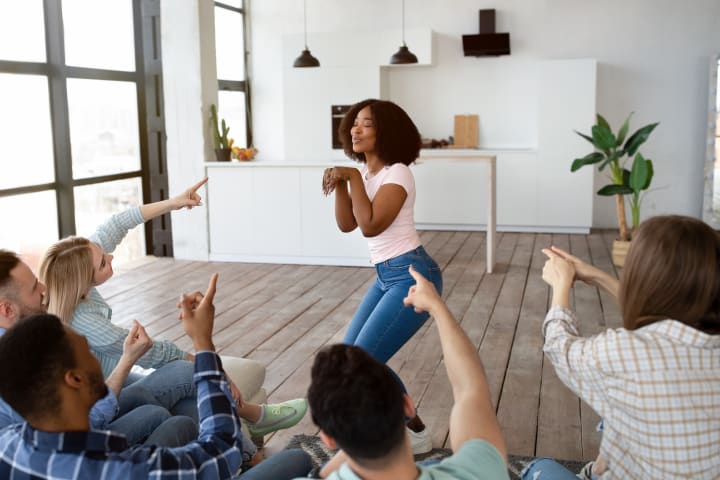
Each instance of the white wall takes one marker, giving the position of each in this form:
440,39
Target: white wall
190,85
652,59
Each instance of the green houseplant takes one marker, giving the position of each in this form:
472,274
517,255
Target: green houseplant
614,151
223,144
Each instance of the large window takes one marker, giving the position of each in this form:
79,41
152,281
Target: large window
74,134
231,57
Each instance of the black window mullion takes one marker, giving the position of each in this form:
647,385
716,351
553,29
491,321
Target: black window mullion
148,61
59,114
248,100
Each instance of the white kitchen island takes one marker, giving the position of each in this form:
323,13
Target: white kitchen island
276,212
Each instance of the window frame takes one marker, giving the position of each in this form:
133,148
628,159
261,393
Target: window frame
240,85
148,85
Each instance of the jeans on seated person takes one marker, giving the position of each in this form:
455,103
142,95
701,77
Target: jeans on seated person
546,469
174,432
171,387
167,386
284,465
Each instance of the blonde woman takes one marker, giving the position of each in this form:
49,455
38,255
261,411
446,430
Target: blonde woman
72,269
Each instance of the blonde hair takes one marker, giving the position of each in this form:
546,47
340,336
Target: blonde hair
67,271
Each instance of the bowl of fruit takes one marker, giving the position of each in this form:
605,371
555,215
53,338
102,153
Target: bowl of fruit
244,154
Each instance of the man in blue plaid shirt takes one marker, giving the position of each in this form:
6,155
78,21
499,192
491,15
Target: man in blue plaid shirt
49,376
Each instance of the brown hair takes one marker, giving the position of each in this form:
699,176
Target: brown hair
671,272
397,139
67,271
8,261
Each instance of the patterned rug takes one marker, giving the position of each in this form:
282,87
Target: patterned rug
321,454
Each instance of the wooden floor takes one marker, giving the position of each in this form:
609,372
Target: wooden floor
282,314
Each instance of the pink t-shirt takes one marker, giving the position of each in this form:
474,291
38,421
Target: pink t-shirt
400,236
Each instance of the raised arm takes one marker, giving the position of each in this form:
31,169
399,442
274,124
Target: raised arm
188,199
113,231
136,344
473,415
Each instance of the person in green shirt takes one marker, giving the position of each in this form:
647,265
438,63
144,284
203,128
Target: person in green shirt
360,409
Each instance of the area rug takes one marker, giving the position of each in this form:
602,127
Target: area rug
321,454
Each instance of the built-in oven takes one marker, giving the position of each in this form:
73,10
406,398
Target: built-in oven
337,114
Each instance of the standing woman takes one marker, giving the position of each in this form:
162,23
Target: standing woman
379,198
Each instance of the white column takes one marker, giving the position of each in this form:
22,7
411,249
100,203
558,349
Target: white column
190,86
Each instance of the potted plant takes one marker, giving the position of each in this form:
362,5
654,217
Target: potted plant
223,144
613,151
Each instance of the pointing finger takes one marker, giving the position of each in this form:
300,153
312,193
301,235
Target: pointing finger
210,293
195,187
414,273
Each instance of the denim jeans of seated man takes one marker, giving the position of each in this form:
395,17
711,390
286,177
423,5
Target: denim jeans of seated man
154,425
546,469
172,388
285,465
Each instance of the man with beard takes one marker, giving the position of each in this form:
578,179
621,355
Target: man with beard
21,295
50,376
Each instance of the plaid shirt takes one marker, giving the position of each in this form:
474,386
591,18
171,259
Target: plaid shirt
26,453
657,389
92,317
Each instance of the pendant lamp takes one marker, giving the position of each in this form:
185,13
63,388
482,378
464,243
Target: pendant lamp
305,59
403,55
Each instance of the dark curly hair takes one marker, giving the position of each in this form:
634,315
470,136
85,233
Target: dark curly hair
397,139
34,356
356,400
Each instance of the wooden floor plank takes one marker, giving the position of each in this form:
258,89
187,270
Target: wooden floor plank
559,427
521,389
590,321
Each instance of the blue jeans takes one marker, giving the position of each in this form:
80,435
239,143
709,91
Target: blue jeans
176,431
284,465
170,386
546,469
152,424
382,324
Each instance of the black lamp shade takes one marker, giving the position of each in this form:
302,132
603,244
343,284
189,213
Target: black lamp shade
403,56
307,60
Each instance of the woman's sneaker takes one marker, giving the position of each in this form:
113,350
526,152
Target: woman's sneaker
278,416
420,441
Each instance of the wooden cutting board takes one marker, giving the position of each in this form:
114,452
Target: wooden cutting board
466,131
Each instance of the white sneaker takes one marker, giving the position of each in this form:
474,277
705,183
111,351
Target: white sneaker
420,441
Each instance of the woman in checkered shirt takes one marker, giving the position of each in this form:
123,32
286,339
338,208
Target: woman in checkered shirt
655,382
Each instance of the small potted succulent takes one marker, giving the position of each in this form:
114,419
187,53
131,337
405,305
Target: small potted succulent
223,144
613,151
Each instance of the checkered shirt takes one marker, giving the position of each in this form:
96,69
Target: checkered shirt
657,389
26,453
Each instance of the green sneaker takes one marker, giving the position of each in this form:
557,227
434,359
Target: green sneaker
278,416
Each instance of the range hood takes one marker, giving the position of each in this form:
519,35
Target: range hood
487,42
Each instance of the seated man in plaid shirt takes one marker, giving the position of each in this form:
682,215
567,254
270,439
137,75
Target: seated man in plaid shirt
49,376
